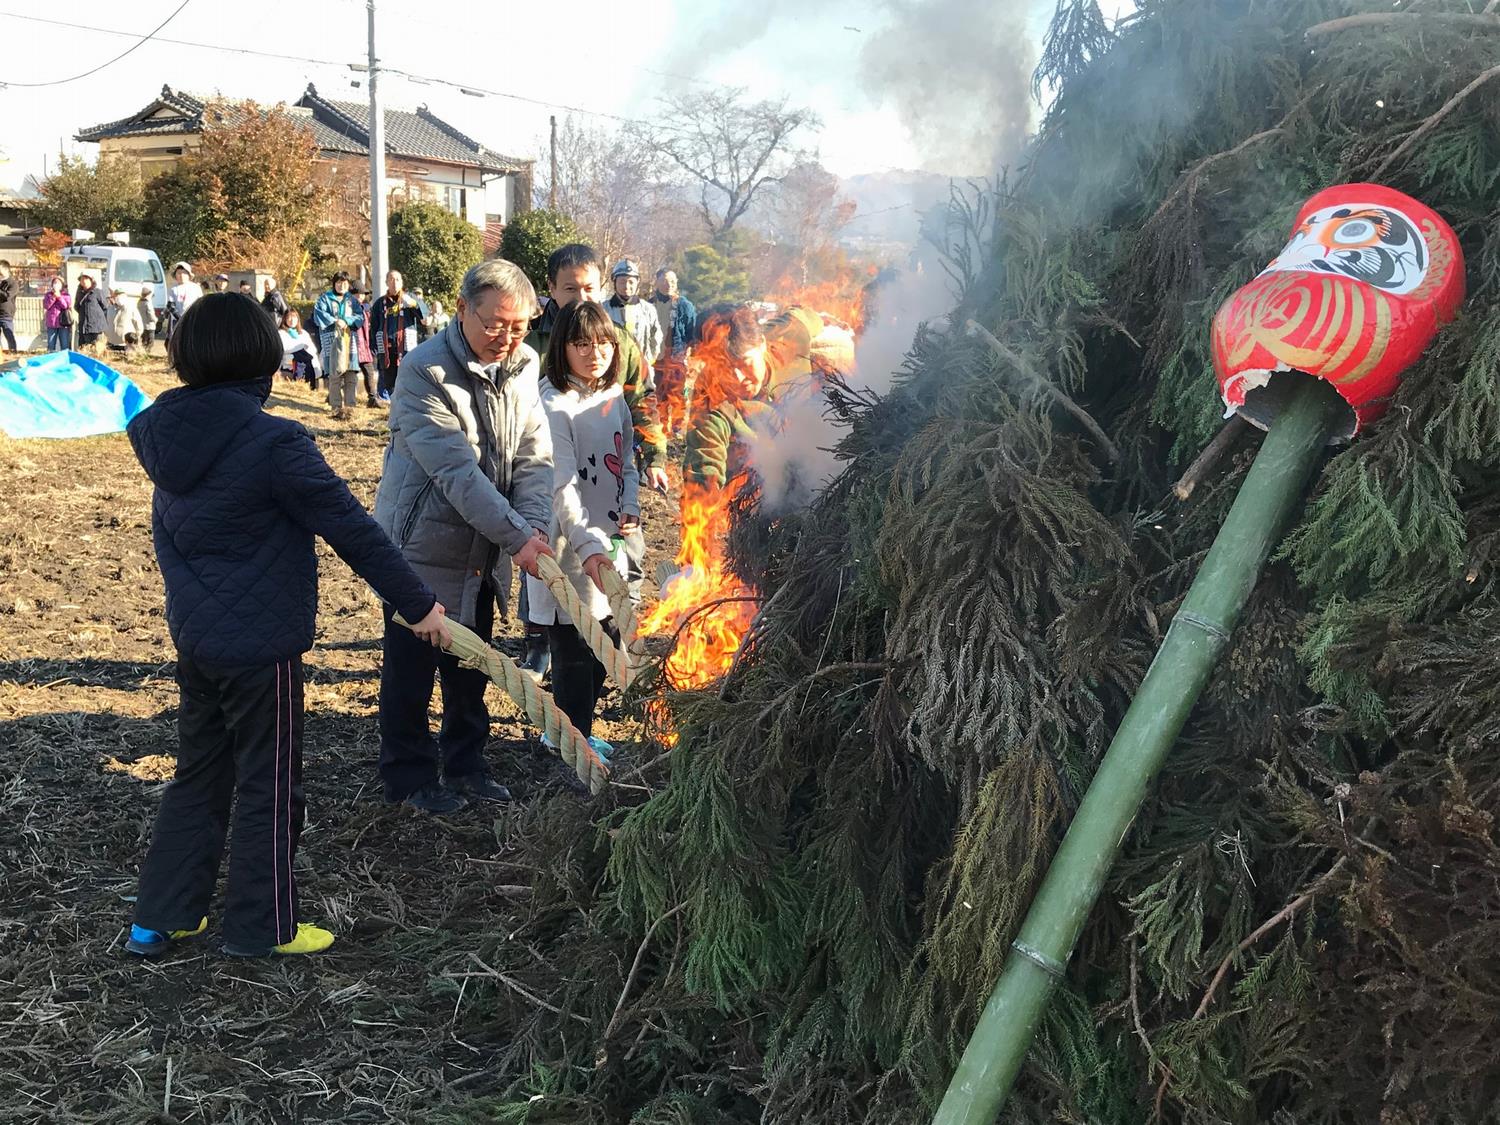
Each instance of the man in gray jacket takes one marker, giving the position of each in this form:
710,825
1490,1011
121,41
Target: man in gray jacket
466,488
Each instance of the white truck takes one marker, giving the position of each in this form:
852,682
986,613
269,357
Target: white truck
113,266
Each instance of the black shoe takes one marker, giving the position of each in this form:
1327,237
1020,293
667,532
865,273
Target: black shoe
538,656
480,786
435,798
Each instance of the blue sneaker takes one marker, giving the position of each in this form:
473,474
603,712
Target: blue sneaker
153,943
602,748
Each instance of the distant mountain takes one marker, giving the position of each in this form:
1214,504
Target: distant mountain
889,208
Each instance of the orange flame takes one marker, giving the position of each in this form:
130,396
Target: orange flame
841,301
708,627
706,607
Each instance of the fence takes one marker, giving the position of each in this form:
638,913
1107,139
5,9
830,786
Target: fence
31,327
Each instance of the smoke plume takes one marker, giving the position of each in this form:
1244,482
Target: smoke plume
959,76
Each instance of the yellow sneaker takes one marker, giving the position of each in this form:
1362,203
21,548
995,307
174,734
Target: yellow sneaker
309,939
153,943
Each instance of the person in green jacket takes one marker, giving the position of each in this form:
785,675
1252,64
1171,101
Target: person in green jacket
743,368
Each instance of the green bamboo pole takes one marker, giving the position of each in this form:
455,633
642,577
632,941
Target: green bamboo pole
1198,635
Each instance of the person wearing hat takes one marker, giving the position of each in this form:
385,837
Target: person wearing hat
636,316
127,317
335,317
751,377
180,296
221,283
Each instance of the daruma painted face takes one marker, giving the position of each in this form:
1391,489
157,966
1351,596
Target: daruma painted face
1362,287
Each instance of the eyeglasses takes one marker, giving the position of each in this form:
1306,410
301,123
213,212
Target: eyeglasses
503,327
598,347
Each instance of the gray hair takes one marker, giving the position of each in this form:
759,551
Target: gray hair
505,277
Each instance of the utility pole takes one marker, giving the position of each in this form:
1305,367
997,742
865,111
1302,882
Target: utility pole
552,184
379,251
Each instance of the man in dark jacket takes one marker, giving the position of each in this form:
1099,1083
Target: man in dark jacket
395,324
7,306
240,495
465,490
679,327
274,302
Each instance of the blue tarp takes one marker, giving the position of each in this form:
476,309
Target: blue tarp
66,394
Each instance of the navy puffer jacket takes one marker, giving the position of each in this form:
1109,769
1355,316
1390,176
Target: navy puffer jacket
240,494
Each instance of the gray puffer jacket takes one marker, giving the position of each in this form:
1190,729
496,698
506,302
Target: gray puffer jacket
468,472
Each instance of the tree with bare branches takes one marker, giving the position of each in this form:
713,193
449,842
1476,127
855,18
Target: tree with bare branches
730,146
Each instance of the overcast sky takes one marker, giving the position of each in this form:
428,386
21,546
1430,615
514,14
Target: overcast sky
898,83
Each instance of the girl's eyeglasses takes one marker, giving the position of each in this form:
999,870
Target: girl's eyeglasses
598,347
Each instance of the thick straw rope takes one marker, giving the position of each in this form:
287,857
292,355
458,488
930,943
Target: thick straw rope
622,605
473,652
592,631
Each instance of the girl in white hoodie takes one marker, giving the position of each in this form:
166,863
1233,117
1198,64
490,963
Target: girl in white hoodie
595,500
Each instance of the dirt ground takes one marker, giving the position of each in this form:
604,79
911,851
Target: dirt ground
390,1025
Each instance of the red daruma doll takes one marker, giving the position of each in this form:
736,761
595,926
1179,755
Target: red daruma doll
1368,278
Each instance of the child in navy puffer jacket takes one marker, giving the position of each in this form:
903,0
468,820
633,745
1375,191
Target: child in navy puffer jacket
240,495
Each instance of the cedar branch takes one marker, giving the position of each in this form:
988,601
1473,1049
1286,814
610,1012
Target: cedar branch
1020,363
1482,22
1432,122
1285,914
635,968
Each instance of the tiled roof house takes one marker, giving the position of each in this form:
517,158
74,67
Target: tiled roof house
426,158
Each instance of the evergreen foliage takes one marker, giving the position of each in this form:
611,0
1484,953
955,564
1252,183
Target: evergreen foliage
102,197
822,878
431,247
531,237
709,275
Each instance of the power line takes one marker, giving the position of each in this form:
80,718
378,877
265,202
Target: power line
479,91
109,62
474,91
162,39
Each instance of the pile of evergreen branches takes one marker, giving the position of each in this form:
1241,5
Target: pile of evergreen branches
800,920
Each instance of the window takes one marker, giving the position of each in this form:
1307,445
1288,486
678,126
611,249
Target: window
455,200
138,270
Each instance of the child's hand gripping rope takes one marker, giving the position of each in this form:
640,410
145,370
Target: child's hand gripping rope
613,659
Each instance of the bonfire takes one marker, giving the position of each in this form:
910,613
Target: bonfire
705,609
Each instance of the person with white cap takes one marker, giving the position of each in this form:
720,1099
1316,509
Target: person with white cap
636,316
180,297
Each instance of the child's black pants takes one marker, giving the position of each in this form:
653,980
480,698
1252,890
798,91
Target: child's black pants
578,679
239,744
